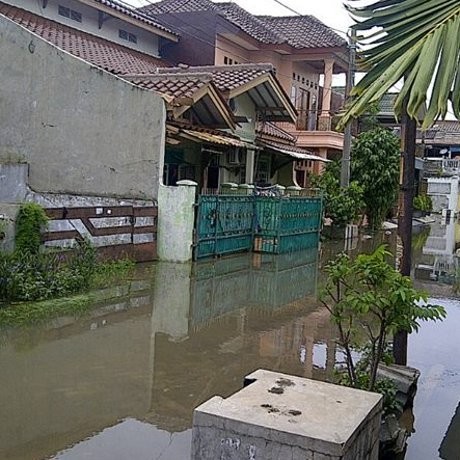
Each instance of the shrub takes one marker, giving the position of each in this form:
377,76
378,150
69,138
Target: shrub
423,203
29,223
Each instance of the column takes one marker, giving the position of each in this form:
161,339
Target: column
250,158
324,124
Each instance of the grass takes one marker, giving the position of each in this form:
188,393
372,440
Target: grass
29,313
20,314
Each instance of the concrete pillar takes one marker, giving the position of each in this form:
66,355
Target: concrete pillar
278,416
250,160
176,217
327,87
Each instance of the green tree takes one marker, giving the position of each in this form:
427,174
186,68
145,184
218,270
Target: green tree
369,301
418,40
342,205
375,166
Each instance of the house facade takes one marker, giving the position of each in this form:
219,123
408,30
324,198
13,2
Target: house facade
304,53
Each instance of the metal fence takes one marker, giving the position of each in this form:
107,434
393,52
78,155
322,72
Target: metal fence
227,224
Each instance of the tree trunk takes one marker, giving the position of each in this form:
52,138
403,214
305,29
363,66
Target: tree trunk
406,196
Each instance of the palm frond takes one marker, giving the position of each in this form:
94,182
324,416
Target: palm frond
414,40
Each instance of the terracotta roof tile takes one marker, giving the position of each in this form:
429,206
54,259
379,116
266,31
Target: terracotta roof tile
250,24
110,56
297,31
172,84
226,78
271,130
304,31
179,6
136,14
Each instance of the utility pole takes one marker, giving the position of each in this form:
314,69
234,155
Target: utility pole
405,215
345,167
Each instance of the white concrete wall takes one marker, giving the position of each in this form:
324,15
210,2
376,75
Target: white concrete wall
147,42
176,216
82,130
444,193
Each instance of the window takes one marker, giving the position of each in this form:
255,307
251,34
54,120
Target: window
123,34
68,13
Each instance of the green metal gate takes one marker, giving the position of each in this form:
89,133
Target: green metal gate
227,224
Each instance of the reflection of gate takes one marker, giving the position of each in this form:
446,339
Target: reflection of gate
232,223
115,231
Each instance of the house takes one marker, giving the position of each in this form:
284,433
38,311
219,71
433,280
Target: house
241,154
105,19
302,50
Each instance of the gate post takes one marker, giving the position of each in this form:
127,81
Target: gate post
176,215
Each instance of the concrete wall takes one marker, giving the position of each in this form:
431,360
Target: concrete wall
80,129
176,215
147,42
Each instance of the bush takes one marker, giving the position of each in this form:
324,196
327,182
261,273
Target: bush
423,203
28,277
29,222
342,205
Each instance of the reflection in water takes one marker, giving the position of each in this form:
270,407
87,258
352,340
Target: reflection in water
122,382
449,449
434,350
131,373
438,260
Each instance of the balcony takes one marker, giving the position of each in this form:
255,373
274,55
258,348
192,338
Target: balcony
315,130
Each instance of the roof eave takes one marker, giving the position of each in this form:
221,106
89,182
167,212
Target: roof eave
136,22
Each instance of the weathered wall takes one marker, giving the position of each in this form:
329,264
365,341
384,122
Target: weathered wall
176,216
80,129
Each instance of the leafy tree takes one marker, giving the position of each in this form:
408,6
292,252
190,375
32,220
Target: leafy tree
342,205
375,166
369,301
418,40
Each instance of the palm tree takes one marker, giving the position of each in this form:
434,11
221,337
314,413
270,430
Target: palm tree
417,41
414,40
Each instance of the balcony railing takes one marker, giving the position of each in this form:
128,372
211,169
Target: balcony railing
314,120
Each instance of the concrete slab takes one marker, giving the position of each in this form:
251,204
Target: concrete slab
282,417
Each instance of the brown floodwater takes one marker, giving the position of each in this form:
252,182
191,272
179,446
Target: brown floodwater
122,382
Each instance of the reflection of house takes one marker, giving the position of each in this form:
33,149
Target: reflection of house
439,261
301,49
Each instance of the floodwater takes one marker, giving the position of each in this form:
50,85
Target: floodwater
122,382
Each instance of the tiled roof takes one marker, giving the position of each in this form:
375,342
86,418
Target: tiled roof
110,56
179,6
268,130
297,31
226,78
131,12
304,31
250,24
173,84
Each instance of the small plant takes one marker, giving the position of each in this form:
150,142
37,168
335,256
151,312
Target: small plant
369,301
29,223
423,203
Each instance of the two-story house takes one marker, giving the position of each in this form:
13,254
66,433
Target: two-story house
304,52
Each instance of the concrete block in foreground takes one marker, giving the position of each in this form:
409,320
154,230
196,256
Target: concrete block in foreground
281,417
